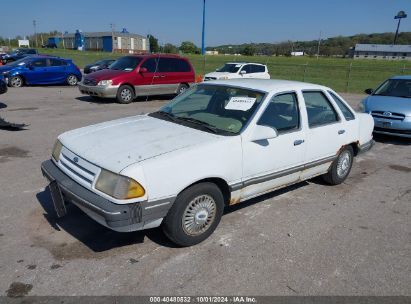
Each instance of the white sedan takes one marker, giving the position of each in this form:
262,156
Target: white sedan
233,70
219,143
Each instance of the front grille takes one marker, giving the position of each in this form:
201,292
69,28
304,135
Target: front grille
388,115
78,168
395,131
90,81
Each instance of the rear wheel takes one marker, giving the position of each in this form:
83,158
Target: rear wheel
72,80
16,81
341,167
195,214
125,94
182,88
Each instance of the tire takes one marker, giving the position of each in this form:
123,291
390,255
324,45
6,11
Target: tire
194,215
71,80
341,167
16,82
125,94
182,88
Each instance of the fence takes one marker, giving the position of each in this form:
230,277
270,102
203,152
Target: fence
342,75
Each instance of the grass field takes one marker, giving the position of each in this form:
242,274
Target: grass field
343,75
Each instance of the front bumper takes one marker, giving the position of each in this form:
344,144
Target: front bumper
401,128
99,91
118,217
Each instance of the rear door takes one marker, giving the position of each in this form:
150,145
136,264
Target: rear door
57,70
325,132
169,75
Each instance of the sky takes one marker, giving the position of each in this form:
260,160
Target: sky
227,21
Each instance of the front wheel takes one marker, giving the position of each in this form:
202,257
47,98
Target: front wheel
341,167
195,214
16,82
71,80
125,94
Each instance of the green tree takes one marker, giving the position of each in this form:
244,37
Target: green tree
170,48
189,47
154,47
249,50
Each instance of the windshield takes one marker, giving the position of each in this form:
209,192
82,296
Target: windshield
218,109
230,68
127,63
395,88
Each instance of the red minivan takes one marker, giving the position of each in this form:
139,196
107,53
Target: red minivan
140,75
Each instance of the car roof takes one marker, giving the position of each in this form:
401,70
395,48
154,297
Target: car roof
269,85
156,55
245,63
407,77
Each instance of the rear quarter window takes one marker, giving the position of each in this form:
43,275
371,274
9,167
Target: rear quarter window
348,114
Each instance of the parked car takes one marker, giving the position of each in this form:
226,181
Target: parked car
49,46
97,66
232,70
17,54
3,85
390,105
41,70
215,145
142,75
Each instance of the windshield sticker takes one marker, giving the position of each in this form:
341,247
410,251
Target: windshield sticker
128,69
237,65
240,103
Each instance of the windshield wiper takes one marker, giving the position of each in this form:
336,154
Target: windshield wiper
166,114
201,123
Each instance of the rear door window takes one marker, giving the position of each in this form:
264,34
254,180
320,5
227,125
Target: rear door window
258,68
343,107
57,62
319,109
39,63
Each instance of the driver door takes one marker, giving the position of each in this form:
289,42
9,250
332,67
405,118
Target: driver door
270,163
37,71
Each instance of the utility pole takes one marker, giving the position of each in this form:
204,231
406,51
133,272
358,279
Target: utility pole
203,38
318,47
112,25
35,31
400,15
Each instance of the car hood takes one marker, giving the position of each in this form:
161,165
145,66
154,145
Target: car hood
117,144
106,74
388,103
219,74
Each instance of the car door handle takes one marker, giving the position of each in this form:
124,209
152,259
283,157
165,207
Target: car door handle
162,76
341,132
298,142
155,76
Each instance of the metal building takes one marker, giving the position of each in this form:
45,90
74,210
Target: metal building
381,51
121,42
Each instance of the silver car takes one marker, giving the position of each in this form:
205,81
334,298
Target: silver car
390,106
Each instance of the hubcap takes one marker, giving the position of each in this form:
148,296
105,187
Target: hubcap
182,89
199,215
126,95
72,80
344,163
16,82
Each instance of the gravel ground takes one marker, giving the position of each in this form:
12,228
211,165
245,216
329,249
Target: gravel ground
307,239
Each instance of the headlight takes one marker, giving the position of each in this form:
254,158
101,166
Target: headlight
57,150
105,82
361,106
118,186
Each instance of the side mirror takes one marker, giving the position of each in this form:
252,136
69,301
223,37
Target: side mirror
143,70
263,133
368,91
242,72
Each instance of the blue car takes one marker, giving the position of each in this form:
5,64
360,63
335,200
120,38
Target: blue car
41,70
390,106
17,54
